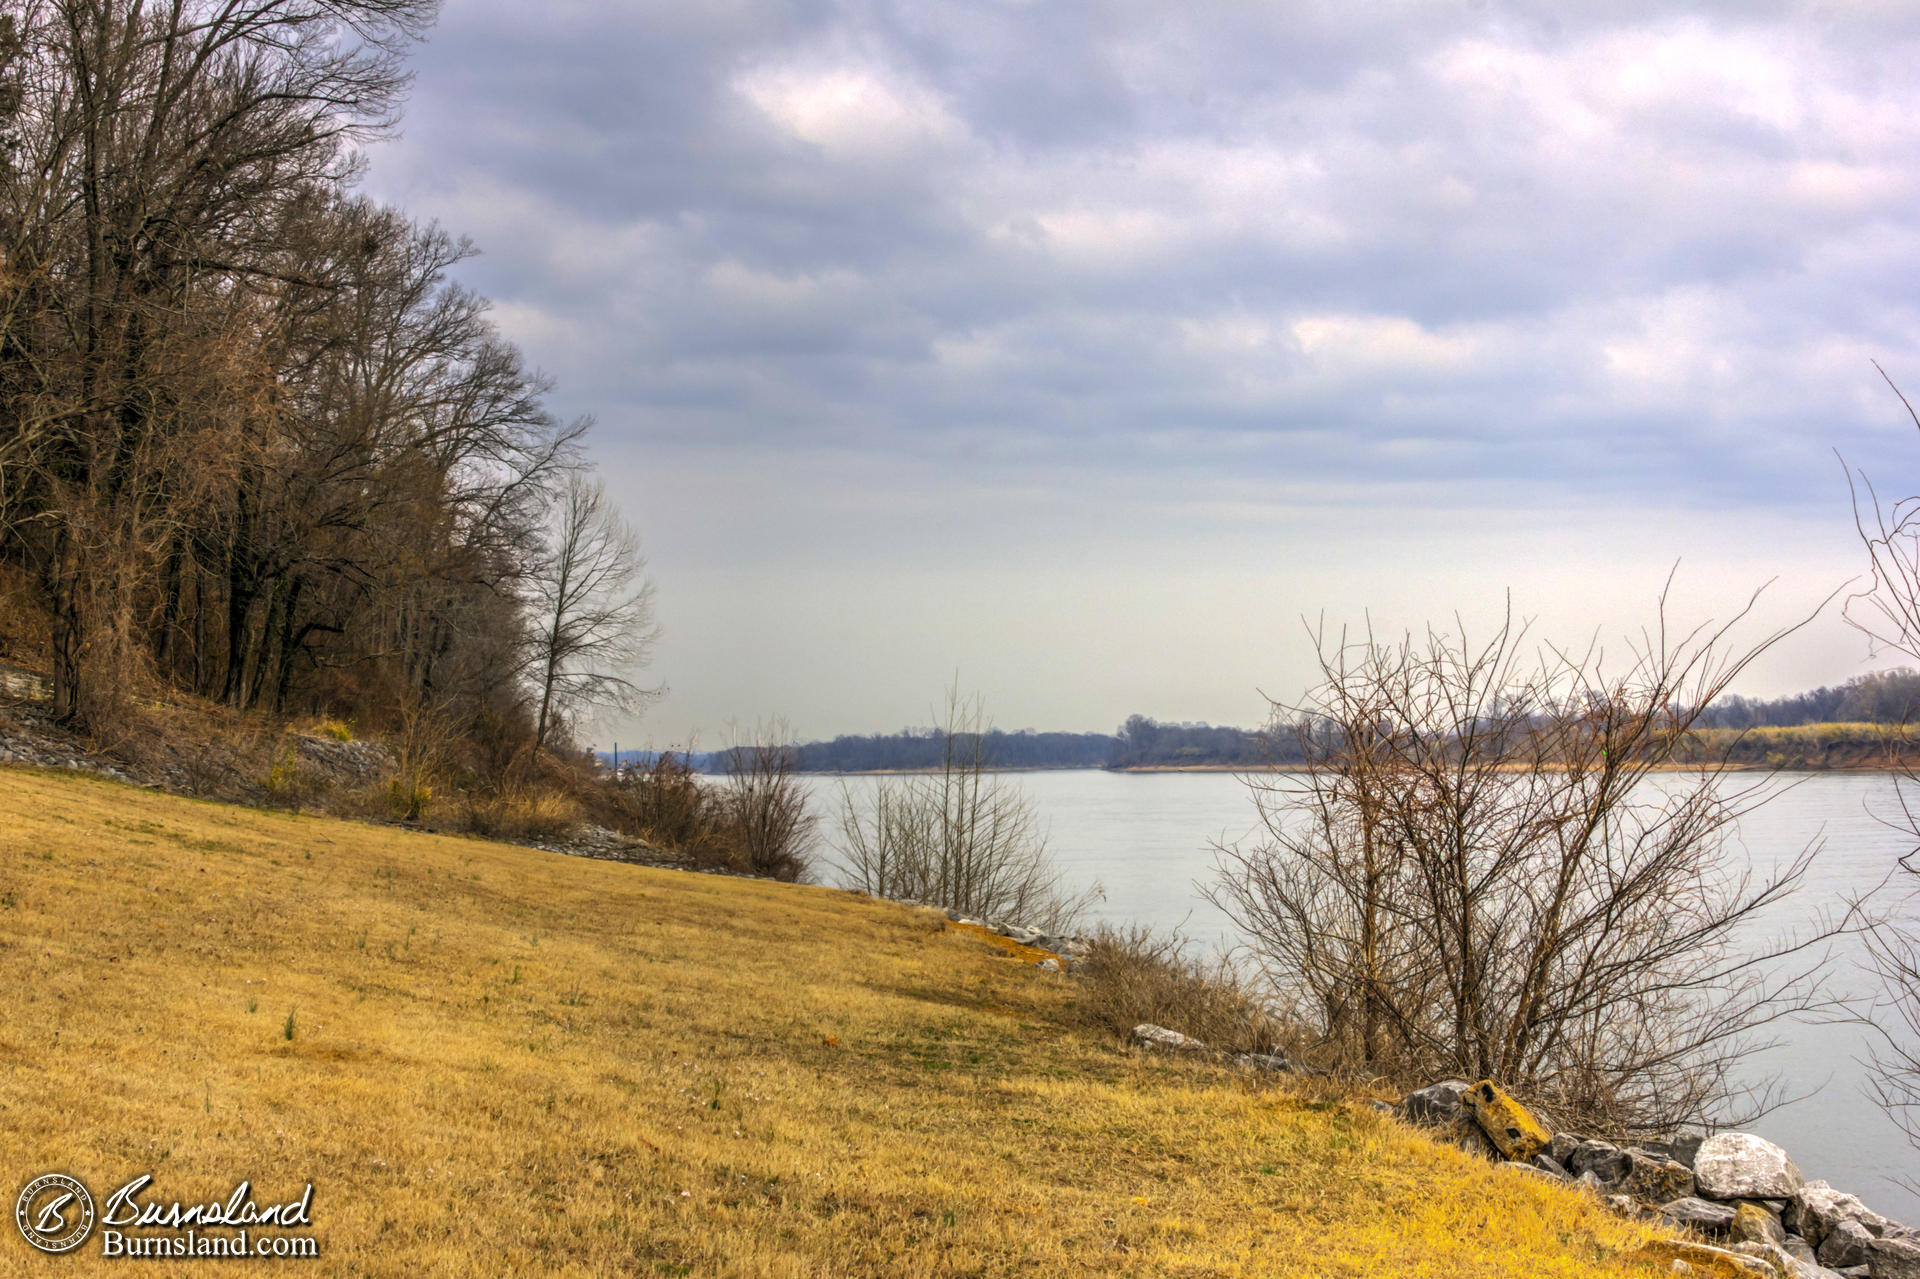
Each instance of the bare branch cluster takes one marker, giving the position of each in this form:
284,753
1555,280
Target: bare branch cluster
964,837
1481,871
1887,611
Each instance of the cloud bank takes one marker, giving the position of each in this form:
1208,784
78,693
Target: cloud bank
893,313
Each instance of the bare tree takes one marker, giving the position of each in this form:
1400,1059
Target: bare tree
592,610
155,151
1477,872
964,837
1887,612
765,804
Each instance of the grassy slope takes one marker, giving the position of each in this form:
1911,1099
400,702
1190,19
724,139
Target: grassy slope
507,1058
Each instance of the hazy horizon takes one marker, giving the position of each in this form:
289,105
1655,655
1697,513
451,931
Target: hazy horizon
1081,351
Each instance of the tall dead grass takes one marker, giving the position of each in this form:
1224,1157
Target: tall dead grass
1133,975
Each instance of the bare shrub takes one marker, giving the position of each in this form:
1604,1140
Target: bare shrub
965,837
421,746
662,802
1887,612
1133,975
211,750
765,806
1476,874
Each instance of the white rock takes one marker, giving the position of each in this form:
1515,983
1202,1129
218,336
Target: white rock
1739,1165
1148,1036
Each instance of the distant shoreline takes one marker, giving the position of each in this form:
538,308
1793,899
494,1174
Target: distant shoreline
1732,767
1047,768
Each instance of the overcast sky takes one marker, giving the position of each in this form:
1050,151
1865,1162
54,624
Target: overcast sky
1081,350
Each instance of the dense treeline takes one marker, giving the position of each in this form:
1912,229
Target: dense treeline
1888,697
1884,697
257,445
1147,743
925,748
1140,743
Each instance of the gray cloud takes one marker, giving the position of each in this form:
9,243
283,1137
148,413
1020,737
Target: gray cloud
1097,266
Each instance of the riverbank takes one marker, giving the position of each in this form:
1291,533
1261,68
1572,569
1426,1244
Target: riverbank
486,1057
1830,747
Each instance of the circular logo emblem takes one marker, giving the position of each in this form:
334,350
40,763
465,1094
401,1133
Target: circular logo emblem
55,1213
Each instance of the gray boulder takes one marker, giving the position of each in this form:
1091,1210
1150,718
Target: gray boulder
1603,1159
1629,1172
1539,1174
1818,1208
1894,1259
1548,1164
1796,1247
1679,1149
1699,1214
1434,1104
1739,1165
1812,1270
1848,1243
1269,1063
1655,1180
1562,1146
1048,965
1791,1266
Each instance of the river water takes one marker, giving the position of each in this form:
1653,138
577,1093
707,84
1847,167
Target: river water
1147,839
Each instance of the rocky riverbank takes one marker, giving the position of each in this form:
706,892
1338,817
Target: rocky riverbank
1738,1201
1738,1198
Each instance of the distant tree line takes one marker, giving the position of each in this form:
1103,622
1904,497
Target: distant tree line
928,748
1885,697
1139,743
1148,743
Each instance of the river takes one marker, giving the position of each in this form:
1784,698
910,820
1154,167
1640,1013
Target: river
1147,839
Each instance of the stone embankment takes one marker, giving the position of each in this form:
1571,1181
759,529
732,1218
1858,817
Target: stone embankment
1035,945
1739,1203
1740,1196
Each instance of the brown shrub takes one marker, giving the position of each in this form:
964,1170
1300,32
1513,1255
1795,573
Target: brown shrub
662,803
521,813
1133,975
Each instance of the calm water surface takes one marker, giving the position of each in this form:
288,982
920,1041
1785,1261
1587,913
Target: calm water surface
1147,839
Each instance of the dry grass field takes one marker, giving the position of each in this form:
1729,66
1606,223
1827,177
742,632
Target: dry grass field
491,1060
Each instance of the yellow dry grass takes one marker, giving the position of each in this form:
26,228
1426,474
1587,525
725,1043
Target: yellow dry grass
508,1061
